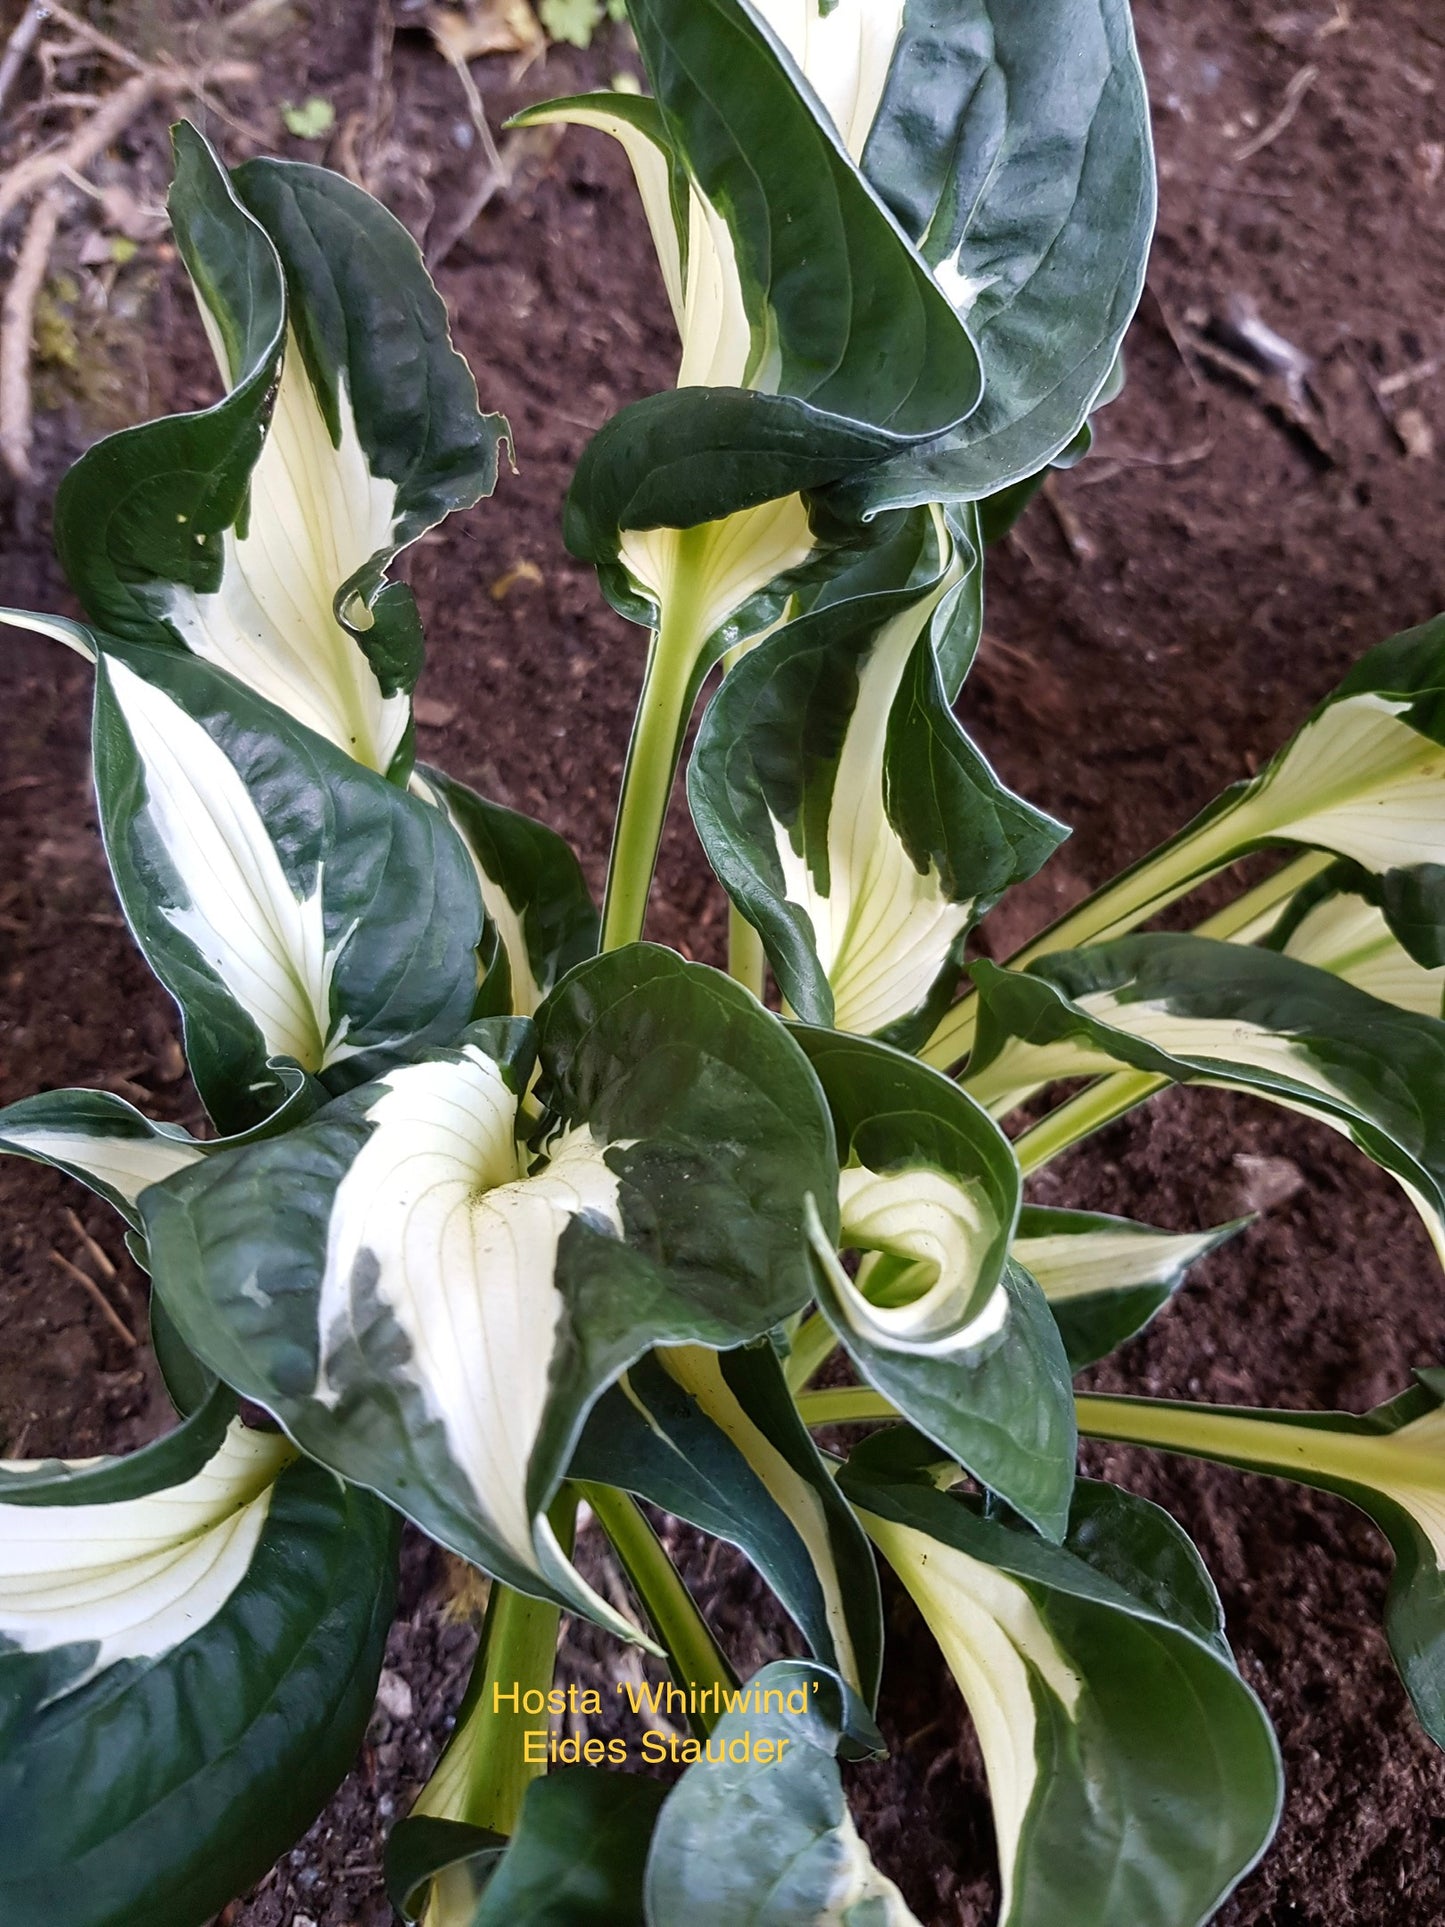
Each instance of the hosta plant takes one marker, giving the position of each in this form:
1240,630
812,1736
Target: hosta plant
504,1213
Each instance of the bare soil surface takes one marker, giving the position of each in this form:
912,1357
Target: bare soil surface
1155,628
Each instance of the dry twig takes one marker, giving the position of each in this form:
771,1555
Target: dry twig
107,124
93,37
17,329
1405,378
44,175
17,48
1080,543
1293,95
107,1310
97,1252
39,171
494,175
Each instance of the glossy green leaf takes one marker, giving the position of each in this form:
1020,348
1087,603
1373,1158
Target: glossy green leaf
1014,149
534,892
184,1678
814,340
1196,1010
295,904
436,1869
837,309
1106,1277
848,815
257,533
714,1438
430,1290
1390,1462
757,1829
938,1319
1132,1773
578,1855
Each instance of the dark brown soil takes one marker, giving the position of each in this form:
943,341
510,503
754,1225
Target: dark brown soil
1204,578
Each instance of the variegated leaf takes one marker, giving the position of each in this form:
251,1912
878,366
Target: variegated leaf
850,818
714,1438
294,904
1133,1775
541,914
781,264
186,1669
115,1151
1363,777
1390,1462
937,1318
1105,1277
430,1289
1196,1010
257,533
1014,149
1337,925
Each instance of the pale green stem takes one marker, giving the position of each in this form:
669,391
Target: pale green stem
1082,1115
483,1775
846,1405
747,960
813,1345
1260,1442
652,754
1248,918
953,1039
693,1654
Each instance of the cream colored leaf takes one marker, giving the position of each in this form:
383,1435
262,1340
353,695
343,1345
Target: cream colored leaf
943,1229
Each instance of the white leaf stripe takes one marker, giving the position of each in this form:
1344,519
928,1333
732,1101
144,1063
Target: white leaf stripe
317,515
997,1646
1233,1039
74,635
438,1223
1356,780
703,576
1082,1264
882,927
527,993
1350,938
1362,1067
844,53
123,1165
651,169
265,944
139,1577
699,1372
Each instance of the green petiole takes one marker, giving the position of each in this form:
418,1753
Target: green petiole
693,1655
